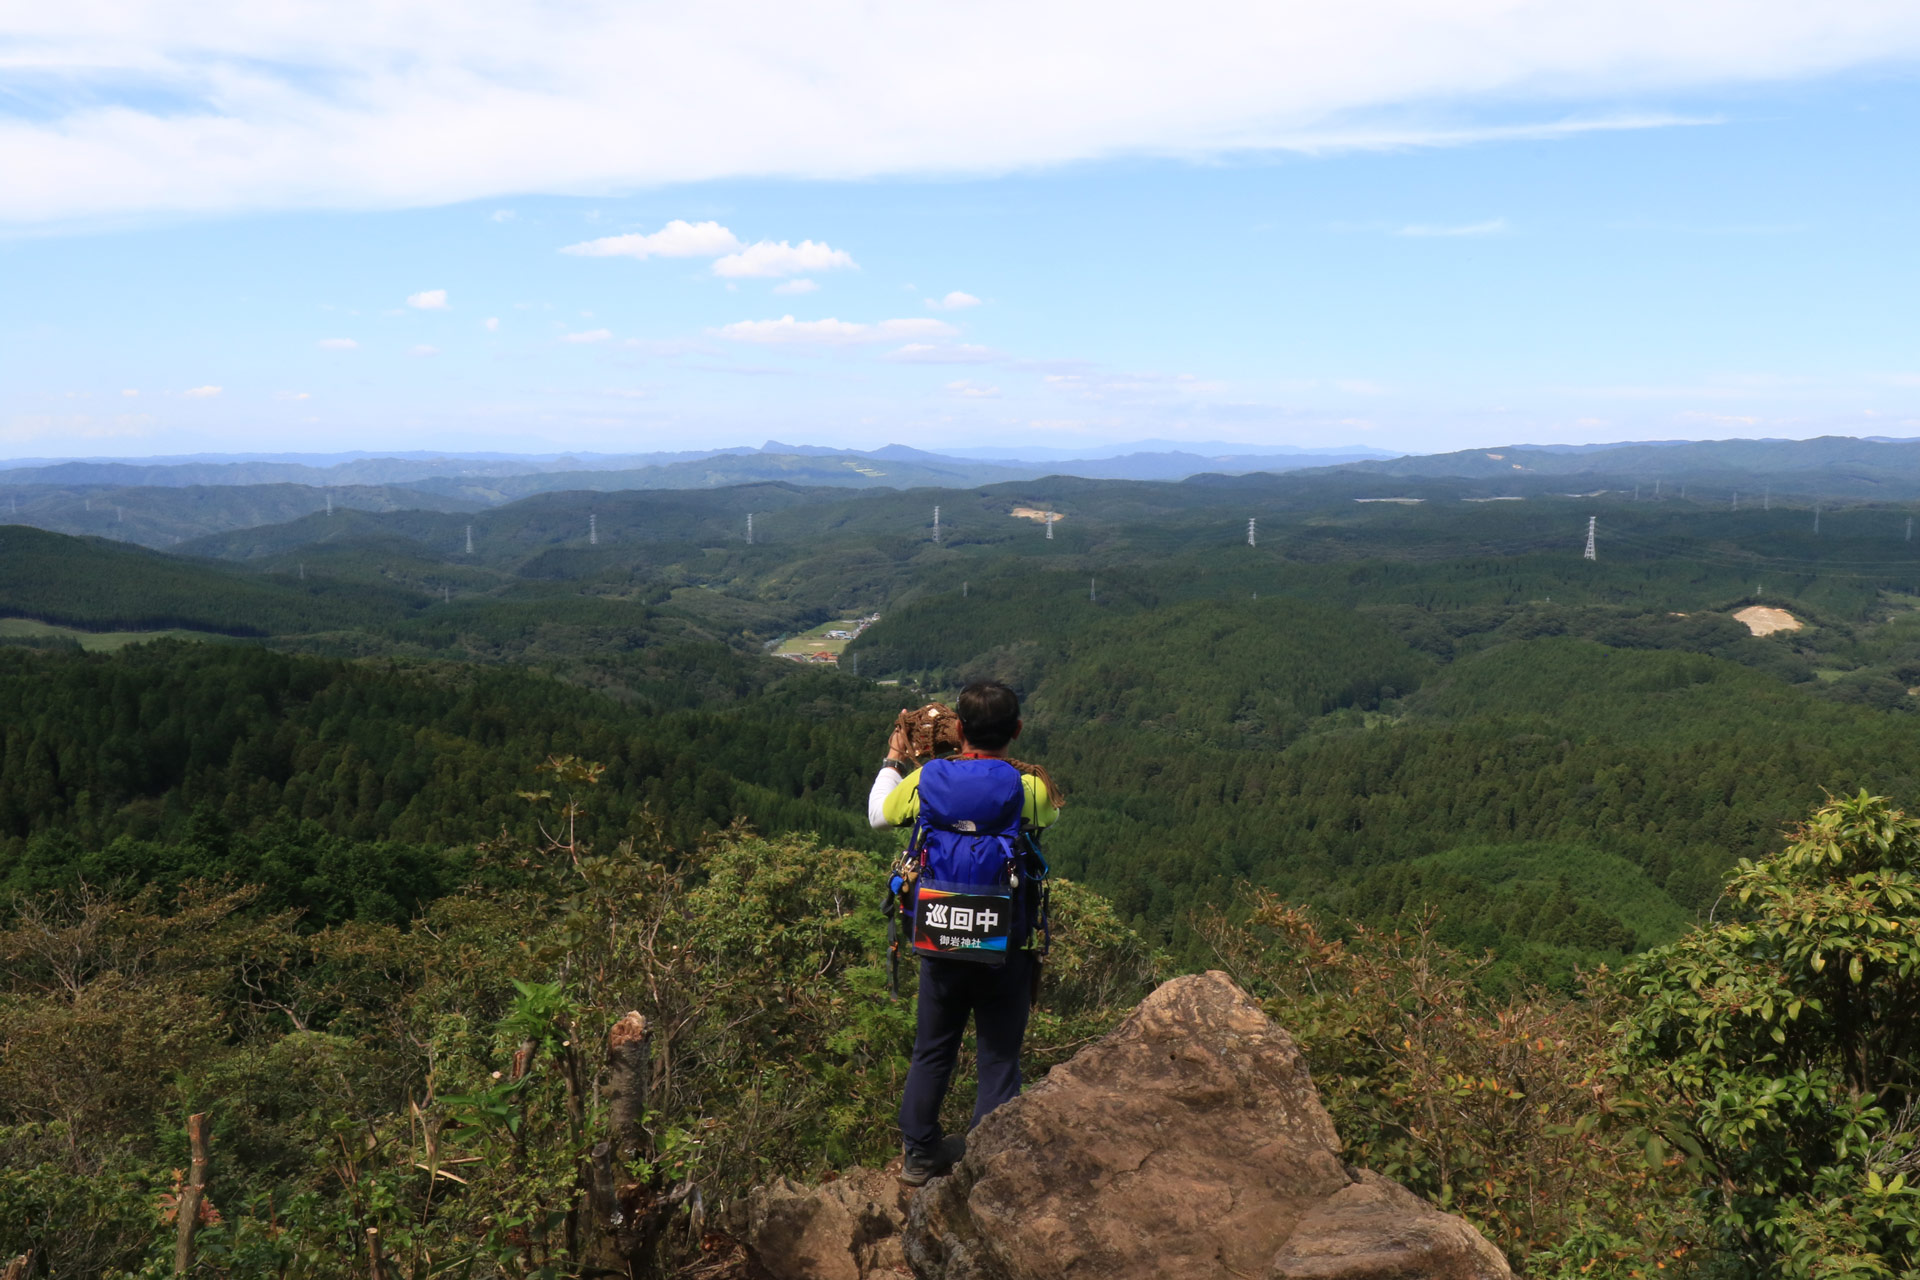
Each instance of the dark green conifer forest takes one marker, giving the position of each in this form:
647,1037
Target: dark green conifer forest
363,858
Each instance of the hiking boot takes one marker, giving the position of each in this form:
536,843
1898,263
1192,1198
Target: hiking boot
917,1167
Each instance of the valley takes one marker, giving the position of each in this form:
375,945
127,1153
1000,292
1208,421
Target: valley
401,774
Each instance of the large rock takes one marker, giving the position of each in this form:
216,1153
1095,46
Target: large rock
844,1229
1190,1142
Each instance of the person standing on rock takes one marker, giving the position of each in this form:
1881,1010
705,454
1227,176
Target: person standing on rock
967,890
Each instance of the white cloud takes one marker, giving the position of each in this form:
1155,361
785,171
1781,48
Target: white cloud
338,344
802,285
589,335
428,300
831,332
955,353
678,239
972,390
130,392
296,395
493,324
501,215
202,393
1491,227
361,104
768,258
955,301
424,350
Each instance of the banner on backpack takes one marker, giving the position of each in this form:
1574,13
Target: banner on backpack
963,926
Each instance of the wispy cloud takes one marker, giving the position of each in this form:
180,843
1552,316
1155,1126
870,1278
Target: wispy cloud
791,287
768,258
831,332
201,393
589,335
972,390
329,106
337,344
955,301
423,350
955,353
493,324
428,300
678,239
1491,227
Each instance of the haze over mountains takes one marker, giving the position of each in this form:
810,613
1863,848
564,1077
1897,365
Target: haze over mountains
162,502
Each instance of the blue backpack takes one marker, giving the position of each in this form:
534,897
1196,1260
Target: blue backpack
971,865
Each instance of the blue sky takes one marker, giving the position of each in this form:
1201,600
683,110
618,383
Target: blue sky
1686,245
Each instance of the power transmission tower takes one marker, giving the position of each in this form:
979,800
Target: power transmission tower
1250,541
446,595
749,528
1091,598
329,504
469,539
1589,554
1816,518
963,590
593,530
1766,499
303,571
1909,528
1049,526
1736,501
936,526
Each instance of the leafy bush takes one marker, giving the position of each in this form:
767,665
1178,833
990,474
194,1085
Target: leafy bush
1780,1048
1500,1109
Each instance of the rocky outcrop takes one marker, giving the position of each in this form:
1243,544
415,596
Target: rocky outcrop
844,1229
1190,1142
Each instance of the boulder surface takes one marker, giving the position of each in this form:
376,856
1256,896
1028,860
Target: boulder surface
1189,1142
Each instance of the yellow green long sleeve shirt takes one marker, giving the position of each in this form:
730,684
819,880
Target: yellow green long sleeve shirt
895,800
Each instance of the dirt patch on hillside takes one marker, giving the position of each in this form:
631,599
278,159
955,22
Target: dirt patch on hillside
1763,621
1036,513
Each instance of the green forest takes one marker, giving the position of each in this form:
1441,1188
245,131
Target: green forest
364,857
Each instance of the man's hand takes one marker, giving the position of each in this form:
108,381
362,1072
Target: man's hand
900,742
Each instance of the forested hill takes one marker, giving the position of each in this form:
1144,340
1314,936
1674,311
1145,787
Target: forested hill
1833,467
1346,710
347,787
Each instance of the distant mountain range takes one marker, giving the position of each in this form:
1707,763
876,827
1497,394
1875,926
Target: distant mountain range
162,502
1843,467
895,465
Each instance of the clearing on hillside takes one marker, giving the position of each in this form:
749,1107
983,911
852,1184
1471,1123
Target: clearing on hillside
91,641
1036,513
825,642
1763,621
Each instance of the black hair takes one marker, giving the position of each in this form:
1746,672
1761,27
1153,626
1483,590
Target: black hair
989,714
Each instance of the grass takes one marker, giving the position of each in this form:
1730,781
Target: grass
816,640
91,641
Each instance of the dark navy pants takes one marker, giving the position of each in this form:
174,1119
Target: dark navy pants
950,990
